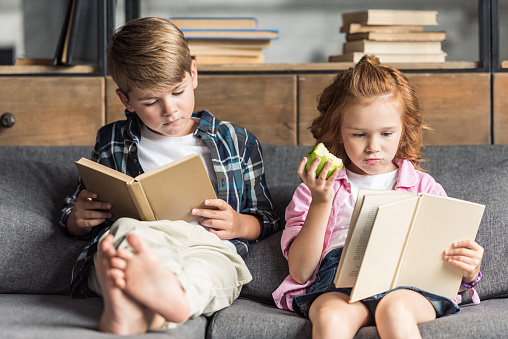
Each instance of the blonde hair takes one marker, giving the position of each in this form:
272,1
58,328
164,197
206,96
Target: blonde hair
148,53
367,81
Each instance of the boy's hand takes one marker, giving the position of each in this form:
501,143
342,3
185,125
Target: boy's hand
321,188
227,223
467,255
87,213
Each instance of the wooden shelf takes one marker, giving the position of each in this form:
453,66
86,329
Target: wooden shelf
44,69
330,66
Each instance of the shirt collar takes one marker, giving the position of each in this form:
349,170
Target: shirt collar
408,176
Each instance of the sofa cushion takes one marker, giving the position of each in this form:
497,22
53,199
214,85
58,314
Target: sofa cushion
53,316
248,319
36,256
486,185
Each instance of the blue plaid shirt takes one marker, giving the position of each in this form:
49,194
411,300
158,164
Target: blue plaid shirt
237,160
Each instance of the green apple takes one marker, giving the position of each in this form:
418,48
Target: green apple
320,151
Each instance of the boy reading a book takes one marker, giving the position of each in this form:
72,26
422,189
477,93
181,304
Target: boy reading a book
152,274
371,119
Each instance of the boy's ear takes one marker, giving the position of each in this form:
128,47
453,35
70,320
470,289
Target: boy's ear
124,100
194,74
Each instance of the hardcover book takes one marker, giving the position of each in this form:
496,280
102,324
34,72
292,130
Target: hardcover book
399,238
390,17
215,22
169,192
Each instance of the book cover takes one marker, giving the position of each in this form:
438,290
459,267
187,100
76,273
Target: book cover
391,58
393,47
397,36
225,51
169,192
230,33
255,44
229,59
215,22
391,17
398,239
360,28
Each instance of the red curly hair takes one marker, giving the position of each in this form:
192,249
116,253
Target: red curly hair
363,83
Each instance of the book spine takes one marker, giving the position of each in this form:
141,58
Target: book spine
140,201
395,281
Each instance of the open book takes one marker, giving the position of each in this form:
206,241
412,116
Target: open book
165,193
399,238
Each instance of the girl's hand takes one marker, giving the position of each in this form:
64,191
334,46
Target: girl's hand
227,223
321,188
467,255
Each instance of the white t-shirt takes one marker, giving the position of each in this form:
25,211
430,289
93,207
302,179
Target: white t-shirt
156,150
384,181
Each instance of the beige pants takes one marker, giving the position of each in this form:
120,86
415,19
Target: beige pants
211,273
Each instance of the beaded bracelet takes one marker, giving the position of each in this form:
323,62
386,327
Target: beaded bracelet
474,282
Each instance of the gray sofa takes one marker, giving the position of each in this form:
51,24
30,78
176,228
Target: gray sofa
36,258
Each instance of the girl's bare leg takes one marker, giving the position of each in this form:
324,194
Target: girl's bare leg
332,316
399,313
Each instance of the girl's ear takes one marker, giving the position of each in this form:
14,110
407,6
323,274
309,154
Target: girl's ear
125,101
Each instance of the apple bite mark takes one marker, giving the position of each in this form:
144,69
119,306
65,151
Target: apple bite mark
321,152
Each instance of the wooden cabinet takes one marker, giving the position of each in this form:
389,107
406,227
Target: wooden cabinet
264,104
52,110
455,105
500,112
276,107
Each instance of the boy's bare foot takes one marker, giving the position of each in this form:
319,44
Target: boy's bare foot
152,284
121,314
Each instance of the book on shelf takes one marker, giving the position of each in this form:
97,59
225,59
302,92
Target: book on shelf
221,50
77,44
397,36
230,43
230,33
169,192
228,59
215,22
360,28
393,47
398,239
504,64
391,58
391,17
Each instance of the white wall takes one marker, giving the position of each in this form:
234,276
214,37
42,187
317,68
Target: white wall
309,30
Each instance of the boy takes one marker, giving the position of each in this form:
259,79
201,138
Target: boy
151,274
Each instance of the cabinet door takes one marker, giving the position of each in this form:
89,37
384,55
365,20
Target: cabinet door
264,104
500,108
51,110
455,105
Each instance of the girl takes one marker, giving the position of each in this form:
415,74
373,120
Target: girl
371,119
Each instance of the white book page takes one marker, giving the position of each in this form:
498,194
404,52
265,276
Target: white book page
440,221
385,247
359,233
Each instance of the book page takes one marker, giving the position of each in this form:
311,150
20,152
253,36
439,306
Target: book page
384,248
175,189
439,222
359,232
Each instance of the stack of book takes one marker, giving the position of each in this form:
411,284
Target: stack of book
394,36
233,40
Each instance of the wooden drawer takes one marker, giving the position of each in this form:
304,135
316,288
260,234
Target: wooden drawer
500,108
52,110
264,104
455,105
